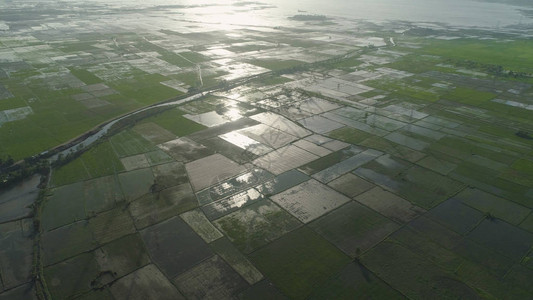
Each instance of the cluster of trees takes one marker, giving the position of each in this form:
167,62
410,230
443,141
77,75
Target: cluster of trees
422,31
309,18
62,160
13,174
524,135
495,70
498,70
6,162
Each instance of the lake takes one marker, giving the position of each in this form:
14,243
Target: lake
452,12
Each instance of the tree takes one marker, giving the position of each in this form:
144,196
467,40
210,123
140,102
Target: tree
4,163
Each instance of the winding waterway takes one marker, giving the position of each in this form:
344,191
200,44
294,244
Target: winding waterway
102,131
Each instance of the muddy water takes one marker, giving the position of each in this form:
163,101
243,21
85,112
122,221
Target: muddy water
15,203
16,239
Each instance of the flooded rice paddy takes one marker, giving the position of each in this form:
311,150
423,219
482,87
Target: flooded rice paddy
366,160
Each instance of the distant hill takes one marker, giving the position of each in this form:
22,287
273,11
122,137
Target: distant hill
309,18
528,3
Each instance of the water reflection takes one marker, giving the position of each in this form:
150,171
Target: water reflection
225,13
16,202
